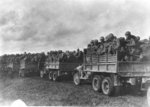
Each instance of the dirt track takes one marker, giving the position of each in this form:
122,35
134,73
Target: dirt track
39,92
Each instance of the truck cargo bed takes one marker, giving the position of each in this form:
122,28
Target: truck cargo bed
110,64
28,65
62,66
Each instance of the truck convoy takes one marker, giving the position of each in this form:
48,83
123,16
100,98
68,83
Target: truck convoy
28,68
31,64
8,66
110,64
60,63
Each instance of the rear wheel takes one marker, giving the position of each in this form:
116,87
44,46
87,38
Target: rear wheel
107,86
76,79
96,83
55,76
50,75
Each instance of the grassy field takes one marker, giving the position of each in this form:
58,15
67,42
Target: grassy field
41,92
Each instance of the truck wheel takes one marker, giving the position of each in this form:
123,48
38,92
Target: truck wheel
41,74
76,79
55,76
96,82
107,86
50,75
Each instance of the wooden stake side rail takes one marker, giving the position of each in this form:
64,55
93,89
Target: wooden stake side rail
14,66
134,68
29,65
62,66
100,63
110,64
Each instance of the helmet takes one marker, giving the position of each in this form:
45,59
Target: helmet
92,41
102,38
128,33
95,41
138,38
110,35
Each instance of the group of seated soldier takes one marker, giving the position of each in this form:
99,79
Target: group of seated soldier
129,48
68,56
52,56
16,58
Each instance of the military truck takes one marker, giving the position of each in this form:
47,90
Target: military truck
56,69
109,75
9,68
28,68
13,67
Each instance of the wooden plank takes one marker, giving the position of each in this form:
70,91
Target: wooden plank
134,74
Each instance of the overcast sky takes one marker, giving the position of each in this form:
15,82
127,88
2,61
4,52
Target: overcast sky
43,25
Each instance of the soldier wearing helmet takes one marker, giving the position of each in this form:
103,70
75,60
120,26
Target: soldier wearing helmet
128,35
101,49
131,45
138,38
102,40
109,37
109,41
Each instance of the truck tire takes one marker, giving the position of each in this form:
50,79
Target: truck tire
107,86
76,79
55,76
96,83
50,75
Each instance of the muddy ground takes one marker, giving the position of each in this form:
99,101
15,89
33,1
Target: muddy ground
42,92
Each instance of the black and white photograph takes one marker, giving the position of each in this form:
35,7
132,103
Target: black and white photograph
75,53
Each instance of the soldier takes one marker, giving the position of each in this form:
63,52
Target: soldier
92,46
110,38
95,46
102,40
79,55
130,43
120,47
89,46
131,39
101,49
